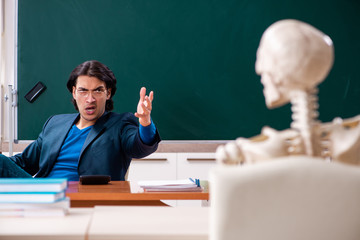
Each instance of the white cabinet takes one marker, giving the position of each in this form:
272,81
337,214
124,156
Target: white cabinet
170,166
157,166
195,165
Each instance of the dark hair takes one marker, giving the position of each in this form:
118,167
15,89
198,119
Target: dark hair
96,69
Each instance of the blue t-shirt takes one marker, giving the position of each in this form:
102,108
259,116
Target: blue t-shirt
68,159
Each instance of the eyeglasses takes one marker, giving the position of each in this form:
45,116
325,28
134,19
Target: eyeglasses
95,93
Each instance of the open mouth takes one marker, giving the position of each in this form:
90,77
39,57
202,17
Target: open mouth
90,110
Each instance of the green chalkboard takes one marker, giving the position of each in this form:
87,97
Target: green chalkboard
196,55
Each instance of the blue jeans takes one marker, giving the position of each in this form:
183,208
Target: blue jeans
9,169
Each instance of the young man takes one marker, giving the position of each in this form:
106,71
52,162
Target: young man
94,141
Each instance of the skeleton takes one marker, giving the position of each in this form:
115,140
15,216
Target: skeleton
293,58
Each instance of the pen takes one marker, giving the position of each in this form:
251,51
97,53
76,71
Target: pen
197,181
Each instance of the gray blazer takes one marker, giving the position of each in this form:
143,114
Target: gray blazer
108,149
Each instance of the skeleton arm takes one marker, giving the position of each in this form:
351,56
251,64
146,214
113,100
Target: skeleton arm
270,144
343,136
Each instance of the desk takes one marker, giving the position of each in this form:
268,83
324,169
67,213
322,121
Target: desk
142,223
73,226
112,222
125,193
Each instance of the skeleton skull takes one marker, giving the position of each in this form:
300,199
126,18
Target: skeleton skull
292,56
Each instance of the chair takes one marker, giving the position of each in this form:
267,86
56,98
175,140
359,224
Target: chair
290,198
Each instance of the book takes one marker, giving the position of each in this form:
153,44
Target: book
62,203
183,185
173,189
32,184
57,209
31,197
43,212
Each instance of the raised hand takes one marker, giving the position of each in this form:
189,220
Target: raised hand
144,107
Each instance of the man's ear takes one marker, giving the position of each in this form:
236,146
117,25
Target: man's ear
73,91
108,94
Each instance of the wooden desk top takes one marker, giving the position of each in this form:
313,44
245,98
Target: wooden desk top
124,193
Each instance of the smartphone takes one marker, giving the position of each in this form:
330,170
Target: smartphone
35,92
94,179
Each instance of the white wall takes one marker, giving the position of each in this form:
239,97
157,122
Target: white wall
8,64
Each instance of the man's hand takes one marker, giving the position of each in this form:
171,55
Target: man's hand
144,107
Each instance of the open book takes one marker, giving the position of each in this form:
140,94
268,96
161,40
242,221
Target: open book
183,185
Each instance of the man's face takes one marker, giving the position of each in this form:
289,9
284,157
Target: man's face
90,94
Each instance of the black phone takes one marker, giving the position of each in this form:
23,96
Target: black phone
35,92
94,179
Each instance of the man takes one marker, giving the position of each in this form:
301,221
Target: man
94,141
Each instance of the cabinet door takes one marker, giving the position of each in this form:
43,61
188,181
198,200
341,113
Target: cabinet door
157,166
195,165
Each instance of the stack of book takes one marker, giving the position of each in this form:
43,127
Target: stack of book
182,185
22,197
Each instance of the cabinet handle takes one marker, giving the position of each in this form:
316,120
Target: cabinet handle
149,159
201,159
